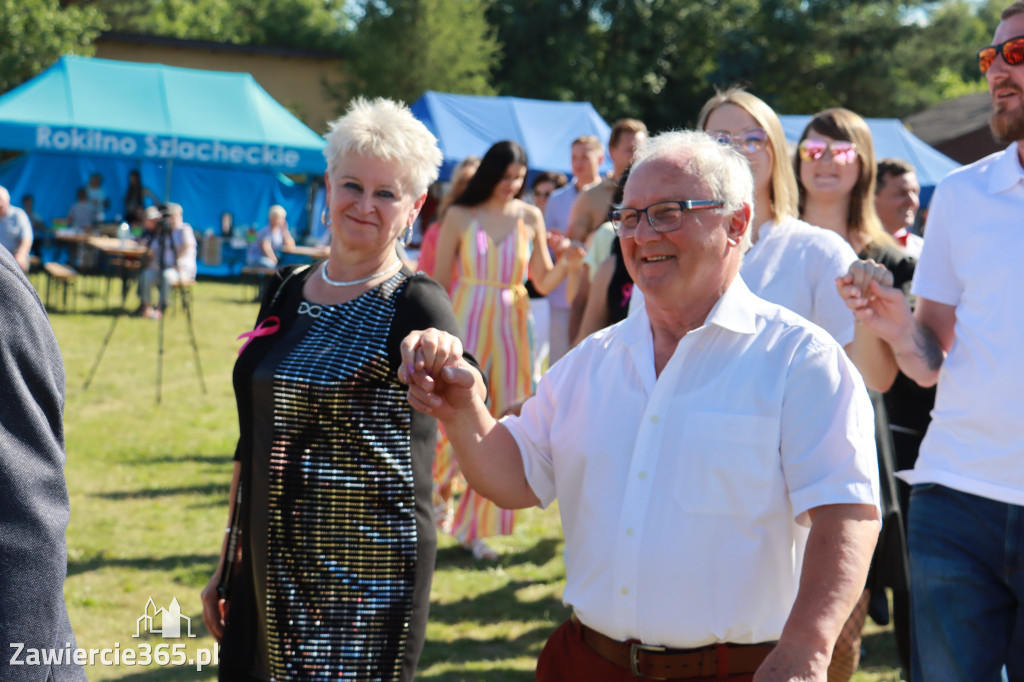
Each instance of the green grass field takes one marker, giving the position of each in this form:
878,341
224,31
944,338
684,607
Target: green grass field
149,485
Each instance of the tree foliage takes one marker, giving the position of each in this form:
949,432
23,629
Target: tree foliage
298,23
34,33
661,59
658,60
400,49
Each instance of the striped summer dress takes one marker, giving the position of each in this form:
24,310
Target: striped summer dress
492,308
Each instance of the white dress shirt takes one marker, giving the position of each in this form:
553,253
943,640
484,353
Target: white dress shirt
683,496
972,260
795,265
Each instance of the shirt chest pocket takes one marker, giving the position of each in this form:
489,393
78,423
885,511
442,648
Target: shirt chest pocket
729,464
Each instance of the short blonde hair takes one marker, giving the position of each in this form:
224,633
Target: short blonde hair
590,142
783,189
387,130
277,210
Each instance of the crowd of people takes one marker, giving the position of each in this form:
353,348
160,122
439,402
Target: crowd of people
775,402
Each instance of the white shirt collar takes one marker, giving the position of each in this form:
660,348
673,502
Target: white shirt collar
735,311
1006,171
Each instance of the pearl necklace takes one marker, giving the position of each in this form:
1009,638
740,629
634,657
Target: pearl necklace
364,280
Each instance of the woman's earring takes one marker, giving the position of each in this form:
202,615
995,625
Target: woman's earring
325,217
407,235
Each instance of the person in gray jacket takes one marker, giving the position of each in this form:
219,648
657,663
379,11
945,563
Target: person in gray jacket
33,493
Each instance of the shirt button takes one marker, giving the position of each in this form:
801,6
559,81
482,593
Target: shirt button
629,532
624,591
654,419
642,475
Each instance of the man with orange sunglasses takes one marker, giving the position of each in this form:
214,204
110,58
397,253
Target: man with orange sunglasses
966,522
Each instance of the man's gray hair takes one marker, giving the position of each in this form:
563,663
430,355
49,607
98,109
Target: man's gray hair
386,130
721,167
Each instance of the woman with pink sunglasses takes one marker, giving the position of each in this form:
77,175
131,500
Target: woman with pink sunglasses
836,174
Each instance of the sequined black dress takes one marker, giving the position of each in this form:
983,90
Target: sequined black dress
337,540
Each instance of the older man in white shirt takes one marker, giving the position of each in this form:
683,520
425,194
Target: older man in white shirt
713,454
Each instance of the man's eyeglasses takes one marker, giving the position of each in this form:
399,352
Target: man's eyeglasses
843,152
752,140
1012,51
663,216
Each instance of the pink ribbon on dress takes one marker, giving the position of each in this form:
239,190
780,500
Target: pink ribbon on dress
627,291
269,326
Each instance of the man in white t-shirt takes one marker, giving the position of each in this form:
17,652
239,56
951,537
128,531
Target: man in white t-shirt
713,455
966,526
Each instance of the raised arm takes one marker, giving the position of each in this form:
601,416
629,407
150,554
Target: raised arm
834,572
919,340
921,354
872,356
442,384
544,274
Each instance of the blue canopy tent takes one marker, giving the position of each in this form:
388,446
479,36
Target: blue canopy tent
892,139
210,141
467,125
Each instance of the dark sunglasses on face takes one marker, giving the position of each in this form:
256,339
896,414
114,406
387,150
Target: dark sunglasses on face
843,152
1012,51
752,140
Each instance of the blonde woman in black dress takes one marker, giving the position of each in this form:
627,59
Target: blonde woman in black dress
335,548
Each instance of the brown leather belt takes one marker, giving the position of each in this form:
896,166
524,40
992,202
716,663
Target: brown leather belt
661,663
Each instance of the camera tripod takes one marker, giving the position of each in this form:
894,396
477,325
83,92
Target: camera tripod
163,237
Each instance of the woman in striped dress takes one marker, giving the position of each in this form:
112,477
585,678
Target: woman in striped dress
495,241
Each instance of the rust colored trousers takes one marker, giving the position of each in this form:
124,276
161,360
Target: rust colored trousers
566,658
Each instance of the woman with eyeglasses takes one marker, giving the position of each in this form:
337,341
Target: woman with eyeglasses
836,172
496,241
790,262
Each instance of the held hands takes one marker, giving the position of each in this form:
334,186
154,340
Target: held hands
867,290
563,248
440,381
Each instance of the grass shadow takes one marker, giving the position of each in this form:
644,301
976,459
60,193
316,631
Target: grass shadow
149,493
227,458
101,561
539,554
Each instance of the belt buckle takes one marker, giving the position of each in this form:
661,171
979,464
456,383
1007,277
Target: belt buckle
634,658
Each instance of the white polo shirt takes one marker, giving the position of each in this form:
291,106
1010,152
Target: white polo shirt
795,264
972,260
683,497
